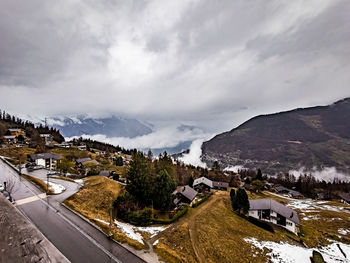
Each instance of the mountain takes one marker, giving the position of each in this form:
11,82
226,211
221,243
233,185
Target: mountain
111,127
301,138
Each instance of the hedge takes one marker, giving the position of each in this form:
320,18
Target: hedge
179,214
265,225
139,218
316,257
199,202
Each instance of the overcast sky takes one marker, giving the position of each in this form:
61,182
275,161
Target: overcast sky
210,63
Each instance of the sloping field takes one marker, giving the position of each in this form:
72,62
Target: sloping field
213,233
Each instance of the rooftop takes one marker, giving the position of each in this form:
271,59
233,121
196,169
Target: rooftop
265,204
203,180
186,191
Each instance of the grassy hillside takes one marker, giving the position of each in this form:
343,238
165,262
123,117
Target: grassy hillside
213,233
280,142
94,202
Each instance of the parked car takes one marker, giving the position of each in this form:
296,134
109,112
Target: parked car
2,187
52,172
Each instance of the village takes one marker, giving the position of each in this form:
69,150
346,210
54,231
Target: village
269,203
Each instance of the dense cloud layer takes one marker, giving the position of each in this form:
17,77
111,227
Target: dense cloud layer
211,63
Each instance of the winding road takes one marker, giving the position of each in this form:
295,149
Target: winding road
74,237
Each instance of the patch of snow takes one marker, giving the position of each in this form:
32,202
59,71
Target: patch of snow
282,252
343,231
56,188
156,242
79,181
133,231
153,230
129,231
309,205
287,253
311,217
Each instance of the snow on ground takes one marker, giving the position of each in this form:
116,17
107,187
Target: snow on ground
343,231
310,217
309,205
56,188
133,231
129,231
79,181
287,253
156,242
153,230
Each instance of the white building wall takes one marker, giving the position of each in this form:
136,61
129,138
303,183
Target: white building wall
40,162
291,226
253,213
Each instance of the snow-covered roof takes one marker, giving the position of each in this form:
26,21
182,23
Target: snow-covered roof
265,204
203,180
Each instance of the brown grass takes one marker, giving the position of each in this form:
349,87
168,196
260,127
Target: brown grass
213,233
38,182
95,200
16,153
63,178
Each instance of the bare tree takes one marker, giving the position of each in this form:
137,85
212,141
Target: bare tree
10,186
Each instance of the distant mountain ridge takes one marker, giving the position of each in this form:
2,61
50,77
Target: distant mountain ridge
111,127
305,137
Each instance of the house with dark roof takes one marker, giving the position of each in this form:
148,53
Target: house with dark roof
80,162
345,198
106,173
289,192
46,160
202,184
184,194
220,185
276,213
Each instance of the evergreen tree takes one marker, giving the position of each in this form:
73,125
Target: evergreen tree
216,166
242,201
119,161
190,181
232,194
163,189
139,179
259,175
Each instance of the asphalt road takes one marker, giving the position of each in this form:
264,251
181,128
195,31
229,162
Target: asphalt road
75,238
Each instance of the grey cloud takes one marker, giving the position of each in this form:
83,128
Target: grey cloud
209,63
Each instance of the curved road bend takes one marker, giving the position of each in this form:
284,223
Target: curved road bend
75,238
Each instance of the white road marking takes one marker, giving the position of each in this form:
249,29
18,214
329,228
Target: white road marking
30,199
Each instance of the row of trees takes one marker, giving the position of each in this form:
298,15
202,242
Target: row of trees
239,200
102,146
33,132
309,186
150,183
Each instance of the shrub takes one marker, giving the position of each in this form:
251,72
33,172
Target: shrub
265,225
140,218
179,214
316,257
199,202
